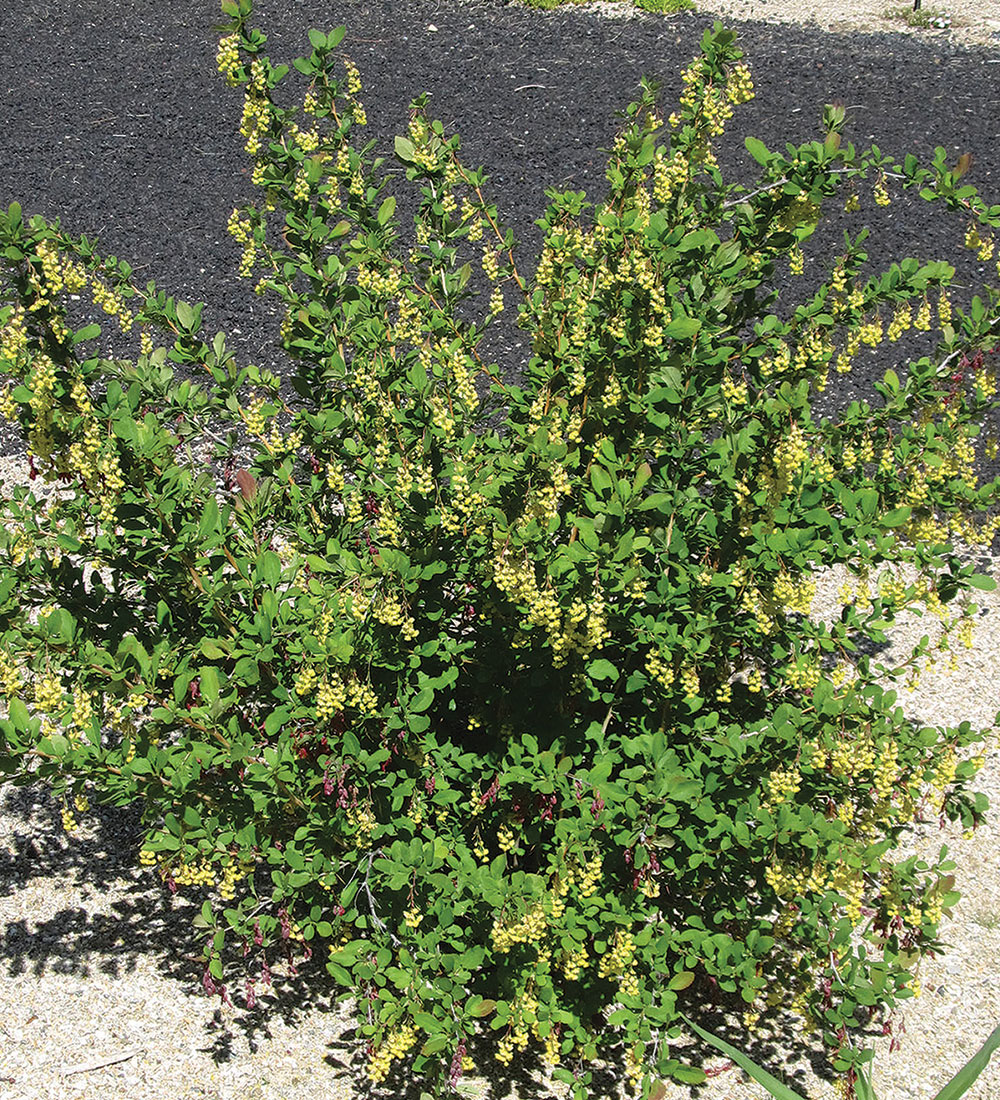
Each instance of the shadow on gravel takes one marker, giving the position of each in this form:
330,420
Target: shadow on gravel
102,858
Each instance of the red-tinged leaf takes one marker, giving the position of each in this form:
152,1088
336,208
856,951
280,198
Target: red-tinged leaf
247,483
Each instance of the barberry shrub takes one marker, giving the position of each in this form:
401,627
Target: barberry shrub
504,693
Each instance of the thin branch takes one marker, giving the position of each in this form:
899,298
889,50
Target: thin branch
961,351
376,920
86,1067
784,179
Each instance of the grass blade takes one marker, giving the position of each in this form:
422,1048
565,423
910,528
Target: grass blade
863,1086
960,1084
758,1073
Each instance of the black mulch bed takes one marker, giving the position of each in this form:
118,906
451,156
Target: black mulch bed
115,120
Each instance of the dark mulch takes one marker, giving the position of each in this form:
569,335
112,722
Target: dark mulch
115,120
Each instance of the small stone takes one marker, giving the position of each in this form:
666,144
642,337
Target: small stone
431,27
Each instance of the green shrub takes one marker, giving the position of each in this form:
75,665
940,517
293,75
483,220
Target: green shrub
503,694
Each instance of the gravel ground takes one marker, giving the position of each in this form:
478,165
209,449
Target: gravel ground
962,22
116,122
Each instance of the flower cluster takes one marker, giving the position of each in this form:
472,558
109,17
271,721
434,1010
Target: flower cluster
228,58
112,302
782,785
580,630
619,962
393,1048
529,928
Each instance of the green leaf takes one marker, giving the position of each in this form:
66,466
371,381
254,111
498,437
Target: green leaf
758,150
681,980
758,1073
209,518
208,678
681,328
422,700
317,39
600,478
698,238
602,669
386,210
863,1086
690,1075
88,332
125,428
642,475
982,582
19,715
348,954
657,500
270,568
186,316
960,1084
340,975
404,149
897,517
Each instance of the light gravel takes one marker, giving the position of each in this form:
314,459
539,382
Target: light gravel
968,22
